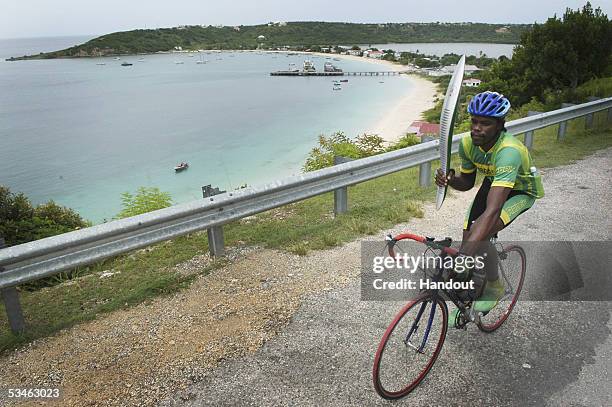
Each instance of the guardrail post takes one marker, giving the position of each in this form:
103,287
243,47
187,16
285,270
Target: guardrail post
10,297
529,135
563,125
588,123
340,194
425,168
216,242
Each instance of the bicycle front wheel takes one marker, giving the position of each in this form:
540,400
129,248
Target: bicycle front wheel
512,268
410,346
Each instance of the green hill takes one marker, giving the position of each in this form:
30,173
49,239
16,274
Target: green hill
296,35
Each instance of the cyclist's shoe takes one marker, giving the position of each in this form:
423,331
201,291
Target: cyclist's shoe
452,318
492,293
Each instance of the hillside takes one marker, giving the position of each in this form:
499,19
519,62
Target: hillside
297,35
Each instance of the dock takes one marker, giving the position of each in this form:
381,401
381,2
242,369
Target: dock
363,73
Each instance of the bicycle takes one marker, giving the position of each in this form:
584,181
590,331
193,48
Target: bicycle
408,350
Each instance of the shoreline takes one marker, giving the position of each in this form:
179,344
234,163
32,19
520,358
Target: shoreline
396,121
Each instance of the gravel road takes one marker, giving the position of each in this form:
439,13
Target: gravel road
273,328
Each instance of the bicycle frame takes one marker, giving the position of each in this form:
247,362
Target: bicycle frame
444,247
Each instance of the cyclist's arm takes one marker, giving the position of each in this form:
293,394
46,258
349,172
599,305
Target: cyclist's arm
466,178
489,222
461,182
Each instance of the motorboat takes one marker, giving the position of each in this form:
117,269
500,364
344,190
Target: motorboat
329,67
308,66
126,64
181,167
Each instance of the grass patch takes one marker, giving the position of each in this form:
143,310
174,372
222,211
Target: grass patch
298,228
577,144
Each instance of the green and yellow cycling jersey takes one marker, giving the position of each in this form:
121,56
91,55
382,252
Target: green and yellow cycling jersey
507,164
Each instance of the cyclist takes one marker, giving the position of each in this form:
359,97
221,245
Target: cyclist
510,187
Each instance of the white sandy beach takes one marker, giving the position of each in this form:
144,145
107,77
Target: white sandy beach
394,123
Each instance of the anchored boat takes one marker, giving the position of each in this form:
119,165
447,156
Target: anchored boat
181,167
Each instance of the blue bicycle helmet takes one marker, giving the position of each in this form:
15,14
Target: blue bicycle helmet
489,104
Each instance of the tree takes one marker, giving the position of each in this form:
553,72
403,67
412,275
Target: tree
559,54
147,199
20,222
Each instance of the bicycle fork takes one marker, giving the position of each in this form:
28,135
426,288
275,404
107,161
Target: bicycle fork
415,326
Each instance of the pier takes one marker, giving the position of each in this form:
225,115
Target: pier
362,73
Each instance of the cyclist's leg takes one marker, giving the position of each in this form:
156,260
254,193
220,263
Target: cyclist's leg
485,249
516,204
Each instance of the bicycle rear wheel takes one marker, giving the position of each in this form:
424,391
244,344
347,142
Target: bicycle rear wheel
512,268
410,346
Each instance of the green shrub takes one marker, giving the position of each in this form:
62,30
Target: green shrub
336,145
147,199
20,222
406,141
365,145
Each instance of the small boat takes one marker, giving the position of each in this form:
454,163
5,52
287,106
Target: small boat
126,64
100,63
181,167
116,59
343,80
179,62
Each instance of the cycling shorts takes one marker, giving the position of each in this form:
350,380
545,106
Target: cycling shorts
516,203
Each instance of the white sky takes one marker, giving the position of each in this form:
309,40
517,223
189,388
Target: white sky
41,18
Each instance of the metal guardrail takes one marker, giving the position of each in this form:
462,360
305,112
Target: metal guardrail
42,258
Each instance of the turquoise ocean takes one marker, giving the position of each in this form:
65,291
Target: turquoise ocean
82,131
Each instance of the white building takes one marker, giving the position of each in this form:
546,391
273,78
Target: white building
435,72
469,69
373,54
472,83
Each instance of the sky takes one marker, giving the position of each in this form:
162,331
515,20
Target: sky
45,18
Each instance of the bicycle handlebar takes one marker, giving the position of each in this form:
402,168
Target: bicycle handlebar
428,241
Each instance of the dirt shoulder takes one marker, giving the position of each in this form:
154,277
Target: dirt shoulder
148,353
